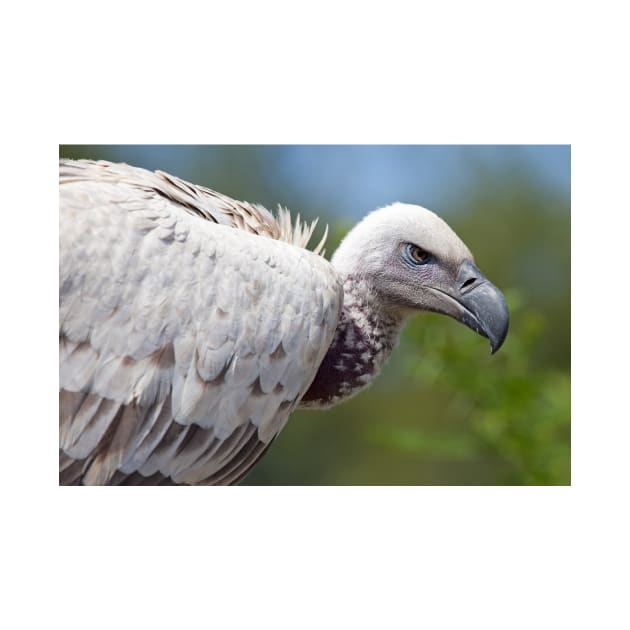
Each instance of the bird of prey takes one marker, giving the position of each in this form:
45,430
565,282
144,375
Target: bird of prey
191,325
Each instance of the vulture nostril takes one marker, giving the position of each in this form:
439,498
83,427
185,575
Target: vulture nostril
469,282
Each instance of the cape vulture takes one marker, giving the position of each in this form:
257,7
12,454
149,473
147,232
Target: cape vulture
191,325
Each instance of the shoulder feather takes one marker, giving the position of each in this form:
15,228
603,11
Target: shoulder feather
198,200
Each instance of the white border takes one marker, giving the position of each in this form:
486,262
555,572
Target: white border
319,557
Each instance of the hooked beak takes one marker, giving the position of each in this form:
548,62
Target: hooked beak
477,303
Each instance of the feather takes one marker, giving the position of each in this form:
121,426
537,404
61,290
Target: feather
186,319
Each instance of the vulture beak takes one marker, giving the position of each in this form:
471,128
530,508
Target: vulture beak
477,303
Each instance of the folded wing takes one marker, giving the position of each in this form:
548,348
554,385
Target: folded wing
184,342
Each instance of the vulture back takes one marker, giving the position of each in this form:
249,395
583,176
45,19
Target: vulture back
190,327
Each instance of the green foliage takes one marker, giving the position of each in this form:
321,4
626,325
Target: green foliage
517,412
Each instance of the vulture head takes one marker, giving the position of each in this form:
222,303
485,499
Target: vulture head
408,260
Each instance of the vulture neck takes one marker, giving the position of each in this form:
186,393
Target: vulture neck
363,341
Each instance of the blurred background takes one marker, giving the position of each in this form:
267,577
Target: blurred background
443,411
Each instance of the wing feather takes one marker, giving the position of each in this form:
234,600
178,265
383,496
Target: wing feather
184,343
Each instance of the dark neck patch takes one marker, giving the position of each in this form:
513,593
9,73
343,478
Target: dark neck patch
361,344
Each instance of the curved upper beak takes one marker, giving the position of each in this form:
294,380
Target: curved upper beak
477,303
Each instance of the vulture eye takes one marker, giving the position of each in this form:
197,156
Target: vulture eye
417,255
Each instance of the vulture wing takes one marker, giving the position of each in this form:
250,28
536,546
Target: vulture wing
184,343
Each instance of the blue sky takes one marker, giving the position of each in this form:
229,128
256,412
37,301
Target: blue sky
349,181
361,178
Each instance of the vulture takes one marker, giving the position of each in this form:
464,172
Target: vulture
191,325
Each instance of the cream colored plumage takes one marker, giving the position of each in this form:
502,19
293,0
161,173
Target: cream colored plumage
181,354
